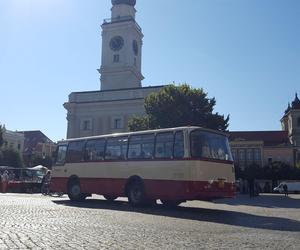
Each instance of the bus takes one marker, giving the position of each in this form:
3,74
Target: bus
173,165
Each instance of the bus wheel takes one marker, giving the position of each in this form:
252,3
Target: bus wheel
110,197
170,203
136,193
74,191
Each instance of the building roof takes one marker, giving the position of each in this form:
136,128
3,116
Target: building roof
269,138
296,103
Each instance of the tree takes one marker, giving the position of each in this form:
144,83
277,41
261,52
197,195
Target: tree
175,106
11,158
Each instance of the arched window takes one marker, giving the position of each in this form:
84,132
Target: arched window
298,122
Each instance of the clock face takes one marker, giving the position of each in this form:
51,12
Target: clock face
116,43
135,47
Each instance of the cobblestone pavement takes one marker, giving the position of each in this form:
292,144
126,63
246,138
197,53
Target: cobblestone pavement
39,222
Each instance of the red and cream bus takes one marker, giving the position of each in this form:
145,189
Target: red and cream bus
173,165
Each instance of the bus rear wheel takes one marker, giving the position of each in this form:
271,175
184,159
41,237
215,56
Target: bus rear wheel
136,194
74,191
170,203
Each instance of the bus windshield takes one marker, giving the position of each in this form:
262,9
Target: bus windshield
210,145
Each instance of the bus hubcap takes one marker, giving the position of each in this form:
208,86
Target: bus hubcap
75,190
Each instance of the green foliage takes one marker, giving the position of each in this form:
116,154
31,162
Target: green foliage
275,171
138,123
281,171
11,158
252,172
175,106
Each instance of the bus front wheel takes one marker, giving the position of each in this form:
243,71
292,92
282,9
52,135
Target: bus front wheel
74,191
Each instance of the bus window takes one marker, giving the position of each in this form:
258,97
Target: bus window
61,155
164,145
141,146
75,151
179,145
94,150
210,145
116,148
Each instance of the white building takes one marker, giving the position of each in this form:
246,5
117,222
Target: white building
121,95
13,140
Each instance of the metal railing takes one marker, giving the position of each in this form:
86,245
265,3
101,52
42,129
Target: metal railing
121,19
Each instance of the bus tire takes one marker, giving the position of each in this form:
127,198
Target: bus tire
110,197
170,203
136,193
74,191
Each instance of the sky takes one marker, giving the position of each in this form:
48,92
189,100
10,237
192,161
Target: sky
245,53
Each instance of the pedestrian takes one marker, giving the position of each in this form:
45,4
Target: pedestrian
4,181
285,190
251,188
45,189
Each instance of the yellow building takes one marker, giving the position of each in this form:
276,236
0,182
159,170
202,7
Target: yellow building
265,147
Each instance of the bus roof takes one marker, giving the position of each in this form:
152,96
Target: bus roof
188,128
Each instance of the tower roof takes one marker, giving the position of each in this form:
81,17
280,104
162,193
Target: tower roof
128,2
288,108
296,103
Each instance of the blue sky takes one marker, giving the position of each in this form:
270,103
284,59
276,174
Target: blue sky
245,53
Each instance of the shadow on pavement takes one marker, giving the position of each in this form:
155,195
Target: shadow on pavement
265,200
232,218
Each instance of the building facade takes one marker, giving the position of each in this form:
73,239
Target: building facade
13,140
290,122
121,94
265,147
36,144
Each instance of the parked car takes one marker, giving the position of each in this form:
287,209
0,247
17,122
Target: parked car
293,187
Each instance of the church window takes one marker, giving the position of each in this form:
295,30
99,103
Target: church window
242,155
257,155
298,122
86,125
118,123
116,58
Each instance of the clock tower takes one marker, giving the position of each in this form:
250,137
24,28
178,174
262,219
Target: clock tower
121,95
121,48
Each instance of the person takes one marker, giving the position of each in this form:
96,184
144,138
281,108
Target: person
257,189
46,183
285,190
267,187
4,180
251,188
